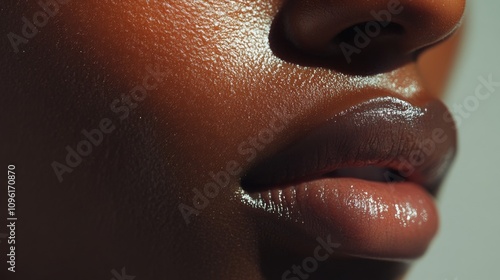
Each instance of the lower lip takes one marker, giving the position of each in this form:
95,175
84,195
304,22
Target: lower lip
369,219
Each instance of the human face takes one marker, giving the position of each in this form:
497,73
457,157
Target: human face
230,138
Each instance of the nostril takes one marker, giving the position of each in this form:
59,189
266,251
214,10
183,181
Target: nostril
367,31
365,48
370,42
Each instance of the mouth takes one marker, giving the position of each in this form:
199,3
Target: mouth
367,177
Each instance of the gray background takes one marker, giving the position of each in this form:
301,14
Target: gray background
468,246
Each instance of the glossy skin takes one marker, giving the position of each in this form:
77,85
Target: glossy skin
224,77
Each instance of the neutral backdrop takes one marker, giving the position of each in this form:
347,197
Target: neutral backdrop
468,245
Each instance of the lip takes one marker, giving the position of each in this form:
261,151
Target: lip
337,180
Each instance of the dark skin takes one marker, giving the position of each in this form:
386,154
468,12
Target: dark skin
222,74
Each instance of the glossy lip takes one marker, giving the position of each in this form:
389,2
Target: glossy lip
325,180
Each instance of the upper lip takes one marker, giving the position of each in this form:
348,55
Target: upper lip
419,143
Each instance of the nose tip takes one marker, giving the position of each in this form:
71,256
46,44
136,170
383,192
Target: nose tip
374,31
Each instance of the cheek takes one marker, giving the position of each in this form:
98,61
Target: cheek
216,55
435,64
218,64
